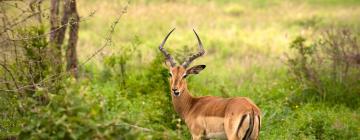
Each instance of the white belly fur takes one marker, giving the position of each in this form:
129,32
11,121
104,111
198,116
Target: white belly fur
214,127
217,135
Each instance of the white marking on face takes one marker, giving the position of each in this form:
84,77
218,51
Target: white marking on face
183,74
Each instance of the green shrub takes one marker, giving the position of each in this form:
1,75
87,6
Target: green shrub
72,114
317,121
327,69
24,68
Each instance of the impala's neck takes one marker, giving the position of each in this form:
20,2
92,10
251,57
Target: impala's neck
182,103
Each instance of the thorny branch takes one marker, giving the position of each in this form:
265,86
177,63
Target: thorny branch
108,38
55,30
137,127
11,75
108,41
18,22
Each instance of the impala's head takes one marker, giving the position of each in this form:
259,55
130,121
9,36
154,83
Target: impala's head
179,73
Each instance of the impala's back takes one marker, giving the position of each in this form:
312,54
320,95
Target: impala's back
236,117
209,116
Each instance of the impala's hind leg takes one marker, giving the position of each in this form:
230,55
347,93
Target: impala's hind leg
256,130
236,127
243,126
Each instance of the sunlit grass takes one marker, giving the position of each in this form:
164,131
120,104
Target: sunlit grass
231,30
246,43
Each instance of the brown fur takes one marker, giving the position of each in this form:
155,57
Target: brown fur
209,116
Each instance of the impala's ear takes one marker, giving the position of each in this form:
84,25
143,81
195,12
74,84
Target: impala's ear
195,69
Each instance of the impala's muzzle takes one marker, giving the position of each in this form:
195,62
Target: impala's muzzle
176,92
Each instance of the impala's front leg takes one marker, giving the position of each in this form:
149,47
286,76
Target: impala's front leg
196,131
196,137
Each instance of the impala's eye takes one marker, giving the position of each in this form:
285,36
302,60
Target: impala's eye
170,74
185,75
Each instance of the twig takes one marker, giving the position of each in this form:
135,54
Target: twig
11,75
108,40
46,34
136,127
15,6
18,22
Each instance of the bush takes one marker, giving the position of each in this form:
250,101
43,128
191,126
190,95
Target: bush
109,103
71,114
94,109
24,68
316,121
327,69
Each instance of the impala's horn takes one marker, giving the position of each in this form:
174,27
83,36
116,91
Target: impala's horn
193,57
166,54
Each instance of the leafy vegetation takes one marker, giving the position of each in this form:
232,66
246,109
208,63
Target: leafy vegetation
300,65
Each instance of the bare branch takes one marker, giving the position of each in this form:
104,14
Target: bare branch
108,38
11,75
51,32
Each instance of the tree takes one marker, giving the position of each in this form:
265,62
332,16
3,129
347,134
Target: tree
58,28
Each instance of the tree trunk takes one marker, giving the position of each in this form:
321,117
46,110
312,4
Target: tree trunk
64,22
71,56
69,16
55,48
54,20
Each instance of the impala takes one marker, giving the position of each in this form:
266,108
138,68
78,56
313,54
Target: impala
210,117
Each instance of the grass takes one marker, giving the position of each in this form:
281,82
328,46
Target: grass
262,31
246,43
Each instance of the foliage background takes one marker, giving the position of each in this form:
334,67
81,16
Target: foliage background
253,49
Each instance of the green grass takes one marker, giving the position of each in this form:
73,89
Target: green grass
246,43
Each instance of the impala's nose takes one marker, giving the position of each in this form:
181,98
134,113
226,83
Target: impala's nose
175,91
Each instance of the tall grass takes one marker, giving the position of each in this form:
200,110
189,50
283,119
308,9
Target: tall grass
123,92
